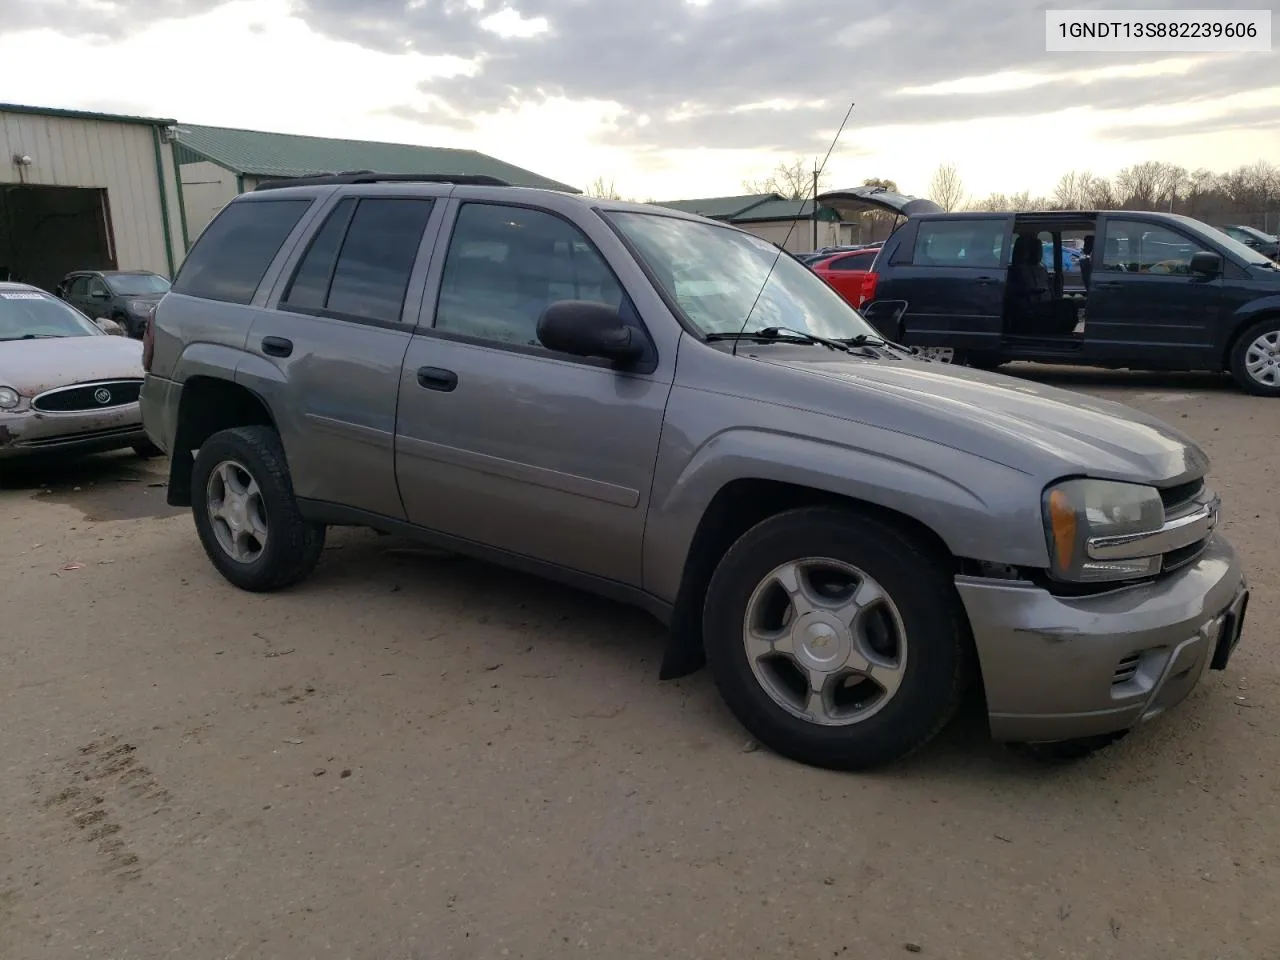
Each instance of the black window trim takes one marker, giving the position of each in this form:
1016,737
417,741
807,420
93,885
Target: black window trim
287,276
426,324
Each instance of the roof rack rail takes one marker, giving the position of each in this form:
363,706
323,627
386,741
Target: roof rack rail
369,176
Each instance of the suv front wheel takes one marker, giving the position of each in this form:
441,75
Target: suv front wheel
835,639
246,514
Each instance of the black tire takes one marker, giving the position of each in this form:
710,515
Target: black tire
147,450
1239,372
293,545
1065,751
937,667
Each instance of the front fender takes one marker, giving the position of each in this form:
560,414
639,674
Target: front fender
1251,311
978,508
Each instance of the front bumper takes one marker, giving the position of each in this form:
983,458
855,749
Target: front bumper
30,432
1057,668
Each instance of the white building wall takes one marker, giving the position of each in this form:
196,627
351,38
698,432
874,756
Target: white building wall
102,154
801,235
206,189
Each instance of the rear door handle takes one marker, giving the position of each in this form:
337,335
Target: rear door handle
436,378
1106,285
277,346
983,281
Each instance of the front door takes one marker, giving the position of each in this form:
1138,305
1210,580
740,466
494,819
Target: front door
336,341
1145,306
953,283
502,442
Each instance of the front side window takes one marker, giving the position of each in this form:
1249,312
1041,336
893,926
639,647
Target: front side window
959,243
506,265
233,254
1135,247
34,315
725,281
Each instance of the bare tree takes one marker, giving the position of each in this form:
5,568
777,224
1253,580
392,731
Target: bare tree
602,189
946,189
791,180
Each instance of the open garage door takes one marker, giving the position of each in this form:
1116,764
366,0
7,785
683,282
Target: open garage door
46,232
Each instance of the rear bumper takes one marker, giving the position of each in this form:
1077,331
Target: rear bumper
159,401
1056,668
31,433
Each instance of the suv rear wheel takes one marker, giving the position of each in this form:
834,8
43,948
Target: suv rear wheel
1255,359
834,638
246,514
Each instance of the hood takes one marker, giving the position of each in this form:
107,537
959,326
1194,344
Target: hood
1030,427
34,366
857,200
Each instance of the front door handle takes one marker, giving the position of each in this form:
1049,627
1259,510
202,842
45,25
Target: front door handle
983,281
277,346
436,378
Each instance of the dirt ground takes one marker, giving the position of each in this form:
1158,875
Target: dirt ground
417,756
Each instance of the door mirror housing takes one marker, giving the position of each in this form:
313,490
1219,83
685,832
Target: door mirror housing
1206,264
887,318
585,328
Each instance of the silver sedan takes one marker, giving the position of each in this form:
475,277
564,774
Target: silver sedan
66,386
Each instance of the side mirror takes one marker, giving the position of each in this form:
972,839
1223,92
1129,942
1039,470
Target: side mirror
1206,264
584,328
99,295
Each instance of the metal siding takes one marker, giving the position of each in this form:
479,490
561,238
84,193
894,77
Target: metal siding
206,189
117,157
801,240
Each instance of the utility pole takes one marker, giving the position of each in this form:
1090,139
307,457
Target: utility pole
814,212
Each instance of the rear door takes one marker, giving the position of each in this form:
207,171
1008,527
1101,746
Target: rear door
1144,303
951,274
337,337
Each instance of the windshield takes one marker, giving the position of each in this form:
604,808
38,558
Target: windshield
714,274
137,284
34,315
1256,234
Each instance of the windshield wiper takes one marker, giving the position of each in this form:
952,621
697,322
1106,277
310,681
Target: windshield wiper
34,336
780,334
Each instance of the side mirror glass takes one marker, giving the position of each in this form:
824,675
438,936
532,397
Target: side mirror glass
1206,264
585,328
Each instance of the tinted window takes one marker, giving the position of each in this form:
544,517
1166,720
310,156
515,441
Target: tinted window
505,265
79,287
97,288
855,261
232,255
137,284
1133,247
377,256
959,243
309,287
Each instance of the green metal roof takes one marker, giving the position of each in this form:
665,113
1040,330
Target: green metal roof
720,208
83,115
258,154
780,209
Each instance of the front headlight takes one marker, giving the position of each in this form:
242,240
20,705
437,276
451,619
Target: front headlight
8,398
1076,511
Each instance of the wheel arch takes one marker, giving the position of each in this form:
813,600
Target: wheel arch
208,404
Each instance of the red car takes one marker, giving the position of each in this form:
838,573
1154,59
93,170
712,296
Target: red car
848,273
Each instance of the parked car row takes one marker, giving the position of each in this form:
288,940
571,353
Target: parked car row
124,297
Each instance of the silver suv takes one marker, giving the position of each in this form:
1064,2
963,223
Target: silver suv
662,409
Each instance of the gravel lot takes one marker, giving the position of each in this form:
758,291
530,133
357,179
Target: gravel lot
417,756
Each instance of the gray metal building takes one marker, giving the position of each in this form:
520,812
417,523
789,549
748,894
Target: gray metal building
81,190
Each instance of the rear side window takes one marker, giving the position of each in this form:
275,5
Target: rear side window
358,264
959,243
855,261
232,255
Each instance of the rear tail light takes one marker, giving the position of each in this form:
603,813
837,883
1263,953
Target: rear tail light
868,289
148,338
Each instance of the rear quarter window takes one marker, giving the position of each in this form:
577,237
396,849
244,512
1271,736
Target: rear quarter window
231,257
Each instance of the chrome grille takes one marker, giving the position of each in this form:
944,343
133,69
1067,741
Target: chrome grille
99,395
1177,498
1178,502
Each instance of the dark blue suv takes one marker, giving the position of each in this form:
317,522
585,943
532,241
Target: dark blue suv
1154,291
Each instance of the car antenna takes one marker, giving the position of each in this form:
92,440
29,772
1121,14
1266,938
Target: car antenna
817,177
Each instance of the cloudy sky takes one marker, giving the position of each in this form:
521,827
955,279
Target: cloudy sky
667,98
